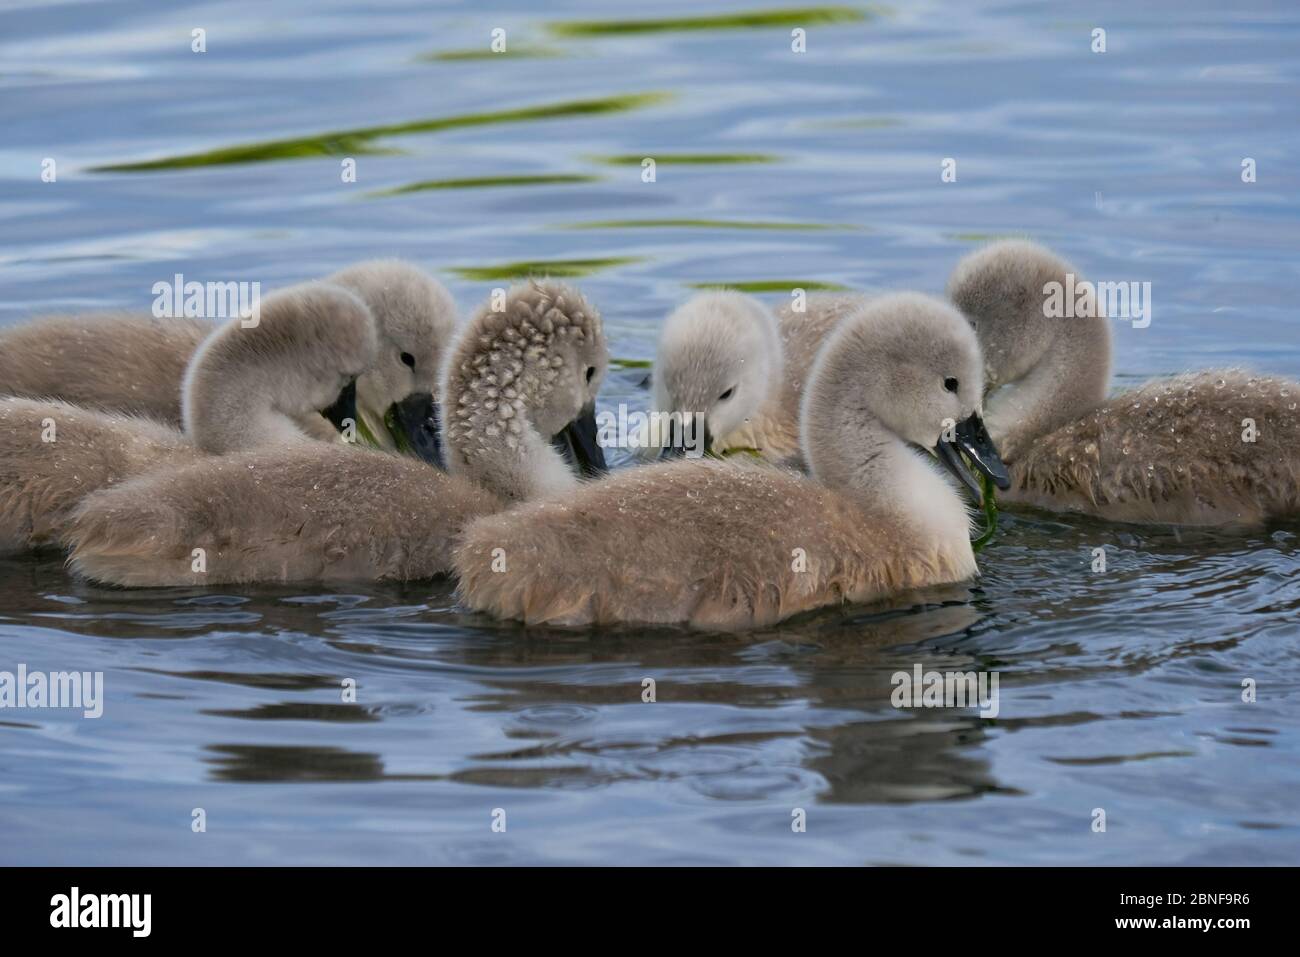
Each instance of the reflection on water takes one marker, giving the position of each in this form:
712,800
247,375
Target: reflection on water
380,724
1118,691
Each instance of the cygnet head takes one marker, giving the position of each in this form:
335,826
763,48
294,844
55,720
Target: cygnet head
416,319
904,367
719,357
1001,289
247,384
519,392
1058,362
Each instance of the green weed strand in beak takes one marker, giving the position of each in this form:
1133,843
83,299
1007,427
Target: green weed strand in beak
990,508
397,432
363,431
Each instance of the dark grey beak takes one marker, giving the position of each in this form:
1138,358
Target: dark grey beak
413,423
577,443
677,447
973,440
344,407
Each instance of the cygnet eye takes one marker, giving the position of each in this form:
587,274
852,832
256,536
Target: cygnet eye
408,359
591,373
727,395
950,384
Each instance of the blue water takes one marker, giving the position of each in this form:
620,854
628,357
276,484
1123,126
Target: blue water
1119,690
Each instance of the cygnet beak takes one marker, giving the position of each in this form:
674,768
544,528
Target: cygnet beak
679,434
577,443
413,424
972,440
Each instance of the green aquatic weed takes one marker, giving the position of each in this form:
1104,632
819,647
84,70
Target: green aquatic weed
990,510
797,16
